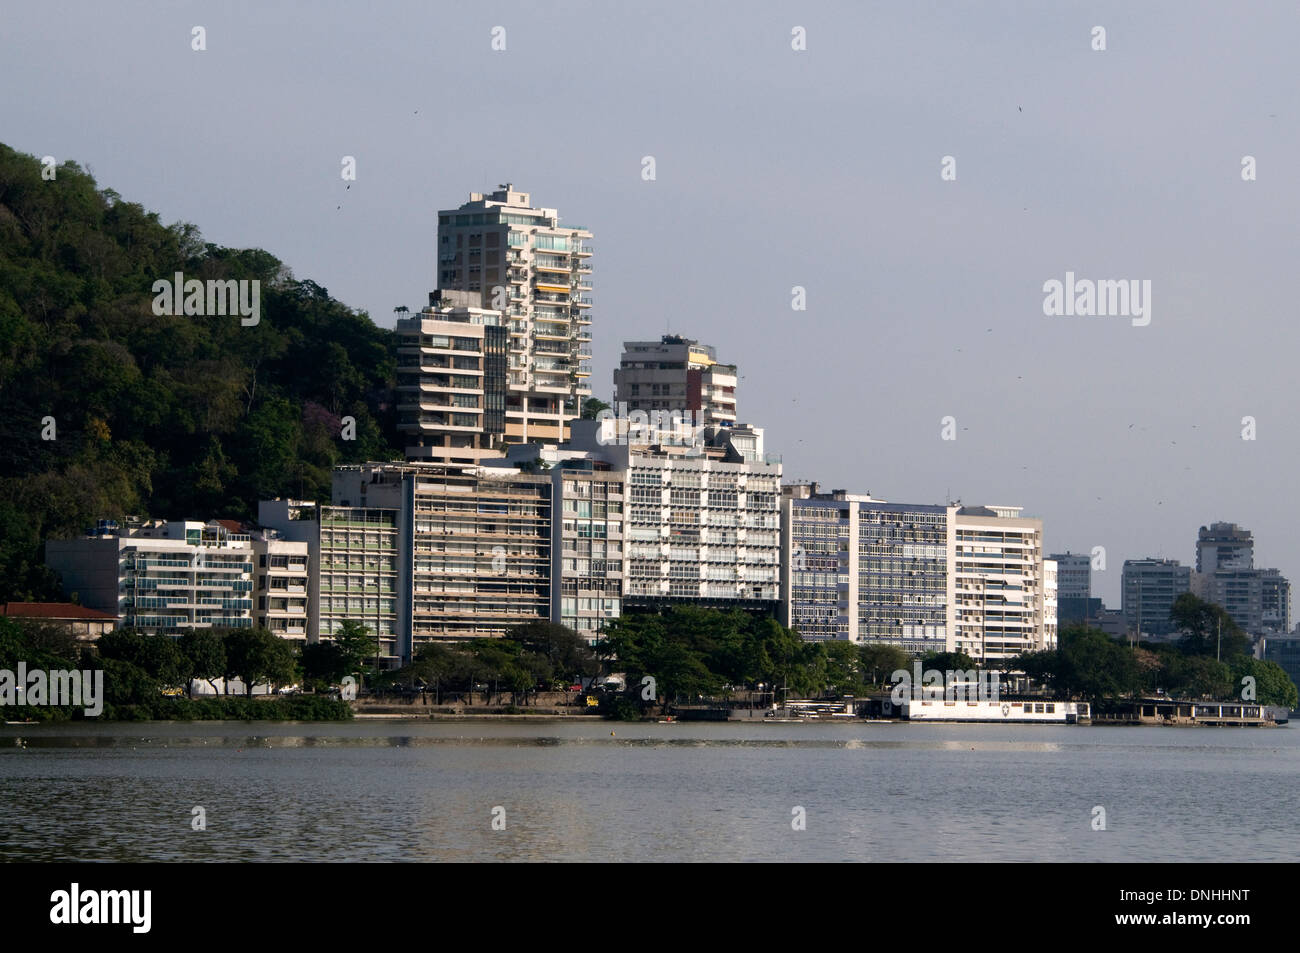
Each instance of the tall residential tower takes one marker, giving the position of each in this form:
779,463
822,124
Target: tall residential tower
537,274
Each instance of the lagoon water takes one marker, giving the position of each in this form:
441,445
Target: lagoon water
426,791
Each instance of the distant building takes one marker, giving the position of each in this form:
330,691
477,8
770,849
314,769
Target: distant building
676,373
1285,651
473,553
76,620
353,555
1224,546
999,586
451,379
1074,600
1112,622
1149,589
537,272
865,570
1259,600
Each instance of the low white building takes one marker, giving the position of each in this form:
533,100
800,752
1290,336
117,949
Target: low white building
161,577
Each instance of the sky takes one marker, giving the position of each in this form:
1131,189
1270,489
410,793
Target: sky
819,168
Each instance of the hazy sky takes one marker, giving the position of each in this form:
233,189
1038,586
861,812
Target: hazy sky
776,168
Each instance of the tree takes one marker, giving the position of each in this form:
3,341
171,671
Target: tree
592,407
842,673
256,655
158,656
324,663
203,654
1208,628
1093,665
567,653
879,661
356,643
1272,684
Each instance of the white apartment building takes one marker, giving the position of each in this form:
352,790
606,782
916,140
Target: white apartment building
866,570
1050,588
676,373
283,584
537,272
162,578
998,586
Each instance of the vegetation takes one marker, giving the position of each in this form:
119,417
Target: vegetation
138,669
171,416
531,657
1087,663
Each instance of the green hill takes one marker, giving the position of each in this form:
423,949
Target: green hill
179,417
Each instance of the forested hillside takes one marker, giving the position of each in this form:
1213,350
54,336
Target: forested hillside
178,417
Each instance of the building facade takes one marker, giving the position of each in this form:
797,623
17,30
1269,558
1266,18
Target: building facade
1149,588
353,552
451,379
676,373
999,589
1224,546
159,577
537,274
588,545
283,586
865,570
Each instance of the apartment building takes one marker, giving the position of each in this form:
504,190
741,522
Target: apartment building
1224,546
676,373
451,379
865,570
1051,583
537,273
700,509
283,584
587,545
161,577
1075,602
999,591
473,546
353,554
1259,600
1148,590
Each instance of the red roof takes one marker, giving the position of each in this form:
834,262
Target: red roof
235,526
55,610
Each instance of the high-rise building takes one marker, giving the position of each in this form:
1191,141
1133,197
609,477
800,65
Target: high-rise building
1051,582
587,544
1149,588
473,550
355,569
676,373
1000,593
865,570
1074,594
451,379
1074,575
1224,546
1259,600
537,273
